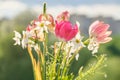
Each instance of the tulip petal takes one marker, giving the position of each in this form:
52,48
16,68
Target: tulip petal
101,29
65,30
73,32
58,27
105,40
100,38
93,26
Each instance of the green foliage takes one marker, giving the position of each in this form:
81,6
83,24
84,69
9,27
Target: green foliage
15,63
92,70
114,46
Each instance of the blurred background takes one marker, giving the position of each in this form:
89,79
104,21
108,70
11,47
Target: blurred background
15,63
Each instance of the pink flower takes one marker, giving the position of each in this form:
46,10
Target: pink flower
66,30
98,30
63,16
99,33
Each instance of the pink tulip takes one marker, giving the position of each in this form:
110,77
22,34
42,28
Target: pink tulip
63,16
99,30
66,30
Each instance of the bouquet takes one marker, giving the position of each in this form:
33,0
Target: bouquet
52,62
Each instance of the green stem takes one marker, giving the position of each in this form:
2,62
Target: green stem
45,51
58,61
91,71
44,8
64,62
86,42
73,56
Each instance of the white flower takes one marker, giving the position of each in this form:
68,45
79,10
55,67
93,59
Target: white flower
74,45
43,25
93,46
17,38
77,41
36,33
25,39
27,36
77,44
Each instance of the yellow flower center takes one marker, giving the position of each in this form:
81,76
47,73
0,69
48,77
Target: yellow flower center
42,25
77,41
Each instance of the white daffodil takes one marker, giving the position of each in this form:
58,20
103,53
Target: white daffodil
17,38
25,39
76,44
93,46
77,41
43,25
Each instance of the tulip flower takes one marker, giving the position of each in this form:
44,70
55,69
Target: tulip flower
65,30
99,33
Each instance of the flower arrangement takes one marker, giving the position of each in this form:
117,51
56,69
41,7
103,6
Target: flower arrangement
55,64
